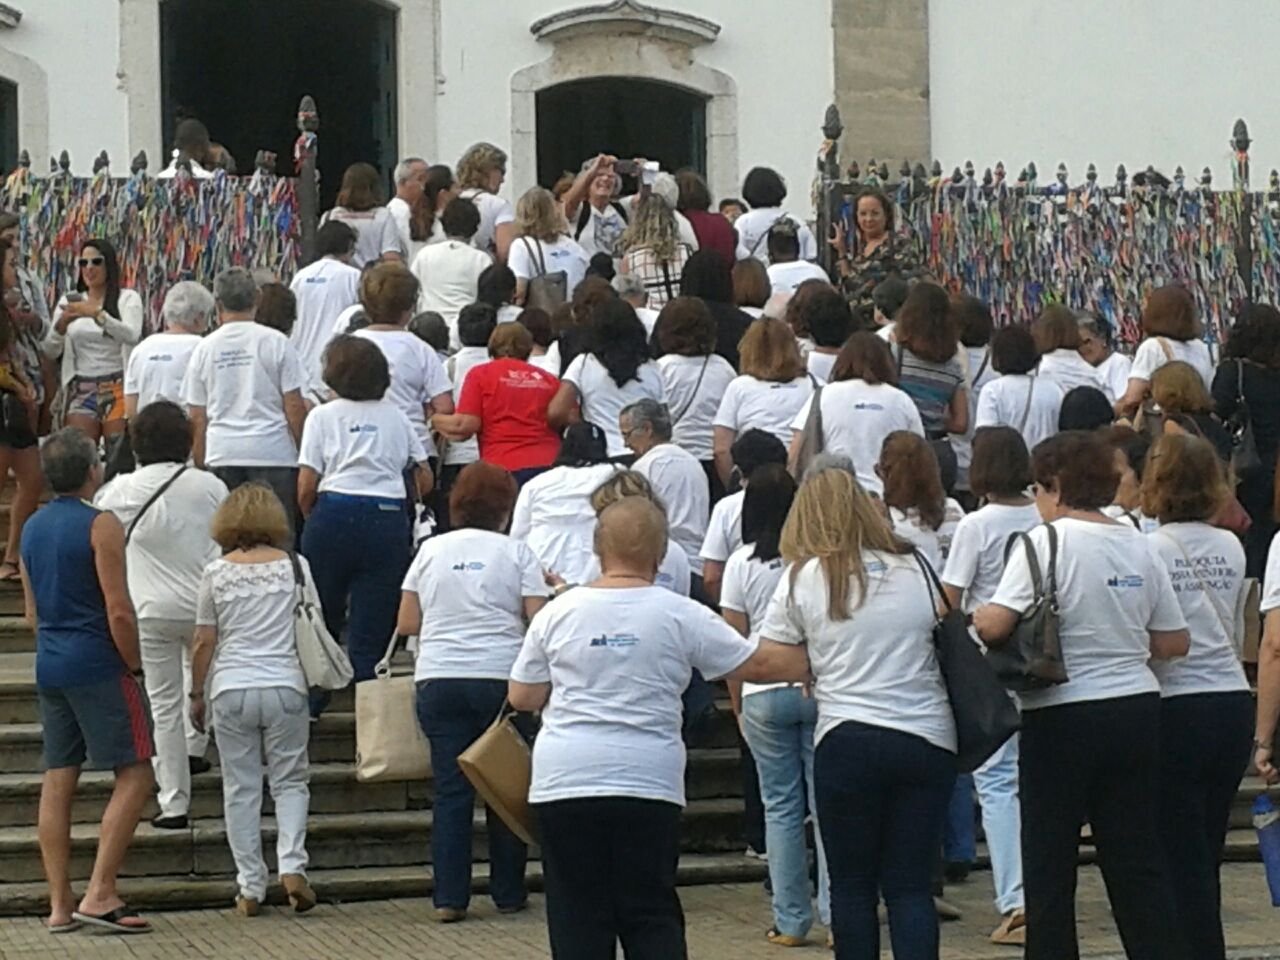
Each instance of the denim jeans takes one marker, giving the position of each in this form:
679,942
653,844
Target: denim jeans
358,548
453,713
779,727
959,840
997,783
882,798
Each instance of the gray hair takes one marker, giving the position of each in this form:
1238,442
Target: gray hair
830,461
665,186
234,289
188,304
67,459
629,285
404,169
653,413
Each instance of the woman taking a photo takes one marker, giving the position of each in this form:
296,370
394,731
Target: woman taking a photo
1206,708
245,655
858,600
467,597
654,252
1090,747
93,331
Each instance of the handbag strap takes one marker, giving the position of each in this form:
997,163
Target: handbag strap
982,367
1045,587
299,578
128,534
1227,622
536,256
693,396
382,670
1026,410
932,583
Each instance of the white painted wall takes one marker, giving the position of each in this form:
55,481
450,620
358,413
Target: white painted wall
1104,81
784,77
76,42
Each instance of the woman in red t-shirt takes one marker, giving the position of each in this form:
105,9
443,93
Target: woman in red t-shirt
505,403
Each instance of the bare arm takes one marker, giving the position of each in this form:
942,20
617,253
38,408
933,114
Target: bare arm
295,411
522,290
722,441
409,620
308,490
712,577
576,195
775,662
28,598
130,406
958,412
532,605
456,426
1136,392
564,408
953,594
206,640
1169,644
793,452
199,427
994,623
503,236
528,697
440,403
106,537
423,480
1268,698
737,620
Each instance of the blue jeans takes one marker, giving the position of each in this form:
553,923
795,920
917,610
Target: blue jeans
359,550
997,783
882,798
779,728
452,714
959,843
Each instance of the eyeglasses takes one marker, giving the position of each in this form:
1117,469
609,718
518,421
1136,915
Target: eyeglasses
91,262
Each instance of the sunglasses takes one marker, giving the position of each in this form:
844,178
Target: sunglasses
91,262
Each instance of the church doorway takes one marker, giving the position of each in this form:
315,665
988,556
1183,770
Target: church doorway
241,66
624,116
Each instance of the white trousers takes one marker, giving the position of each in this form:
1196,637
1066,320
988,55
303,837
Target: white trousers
257,727
166,660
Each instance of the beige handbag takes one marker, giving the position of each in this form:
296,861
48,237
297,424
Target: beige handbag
389,743
500,766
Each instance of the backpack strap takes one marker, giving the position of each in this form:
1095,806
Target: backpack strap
584,218
535,254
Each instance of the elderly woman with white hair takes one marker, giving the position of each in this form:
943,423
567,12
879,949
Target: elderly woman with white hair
158,364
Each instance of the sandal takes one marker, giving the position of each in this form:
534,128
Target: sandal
113,920
783,939
1012,931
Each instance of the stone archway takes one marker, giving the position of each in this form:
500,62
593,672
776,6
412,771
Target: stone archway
33,102
626,39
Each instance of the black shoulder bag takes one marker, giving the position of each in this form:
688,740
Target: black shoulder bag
1031,659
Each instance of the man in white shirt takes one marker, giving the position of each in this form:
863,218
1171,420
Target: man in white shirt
323,290
158,364
411,181
244,392
449,271
167,510
786,270
675,475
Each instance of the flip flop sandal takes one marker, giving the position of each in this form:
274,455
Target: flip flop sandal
57,928
111,920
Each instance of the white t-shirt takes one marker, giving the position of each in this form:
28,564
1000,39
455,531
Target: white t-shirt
617,661
673,572
747,587
856,417
462,452
157,366
602,400
1069,370
785,277
1112,589
417,376
562,256
1133,518
360,447
449,273
323,291
820,365
692,412
724,531
240,374
494,211
1151,357
934,544
681,484
251,605
1206,566
764,405
471,585
753,234
402,213
1115,371
602,233
879,666
376,233
553,515
975,561
1004,400
649,318
171,545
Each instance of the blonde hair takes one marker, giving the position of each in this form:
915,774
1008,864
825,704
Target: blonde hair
653,227
833,520
538,217
251,516
477,163
1178,388
623,484
768,351
633,531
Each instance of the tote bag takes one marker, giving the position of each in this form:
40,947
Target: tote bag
390,744
1031,659
324,663
500,766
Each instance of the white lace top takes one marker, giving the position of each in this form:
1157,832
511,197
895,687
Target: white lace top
251,606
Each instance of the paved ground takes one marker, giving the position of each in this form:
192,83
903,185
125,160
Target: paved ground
725,923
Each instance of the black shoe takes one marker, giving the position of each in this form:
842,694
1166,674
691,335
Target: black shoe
198,765
957,872
170,823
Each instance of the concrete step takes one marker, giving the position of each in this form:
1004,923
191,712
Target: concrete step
10,593
711,774
334,841
349,885
16,636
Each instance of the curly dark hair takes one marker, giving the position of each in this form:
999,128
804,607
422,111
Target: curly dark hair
1255,336
685,327
617,339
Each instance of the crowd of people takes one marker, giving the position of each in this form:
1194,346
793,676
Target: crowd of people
597,452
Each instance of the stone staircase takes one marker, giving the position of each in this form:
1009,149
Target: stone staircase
366,841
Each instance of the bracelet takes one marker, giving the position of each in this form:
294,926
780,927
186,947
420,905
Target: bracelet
1259,745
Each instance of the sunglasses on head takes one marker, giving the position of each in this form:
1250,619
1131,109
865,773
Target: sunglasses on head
92,261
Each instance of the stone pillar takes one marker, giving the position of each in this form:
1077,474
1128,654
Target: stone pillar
141,78
882,79
418,46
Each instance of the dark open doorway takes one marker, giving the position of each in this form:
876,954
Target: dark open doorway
624,116
241,66
8,125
